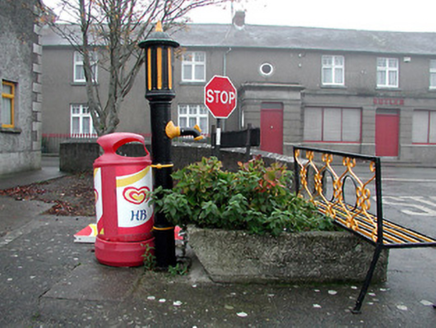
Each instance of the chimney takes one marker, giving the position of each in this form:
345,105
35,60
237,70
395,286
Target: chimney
239,19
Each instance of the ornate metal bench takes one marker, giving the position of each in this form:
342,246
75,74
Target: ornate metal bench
344,186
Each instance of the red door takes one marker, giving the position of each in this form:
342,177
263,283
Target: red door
387,123
271,127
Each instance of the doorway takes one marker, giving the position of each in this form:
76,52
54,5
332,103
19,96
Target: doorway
387,122
271,127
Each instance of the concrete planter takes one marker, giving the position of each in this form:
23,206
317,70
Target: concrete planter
307,257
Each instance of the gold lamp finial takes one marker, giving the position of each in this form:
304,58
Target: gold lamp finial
158,27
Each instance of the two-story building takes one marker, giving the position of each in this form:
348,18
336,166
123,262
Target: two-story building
369,92
20,77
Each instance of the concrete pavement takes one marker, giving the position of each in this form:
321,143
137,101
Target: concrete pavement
49,170
47,280
13,219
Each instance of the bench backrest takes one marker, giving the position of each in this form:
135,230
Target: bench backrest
343,186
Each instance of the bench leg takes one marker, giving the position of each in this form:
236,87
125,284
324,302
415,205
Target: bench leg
368,279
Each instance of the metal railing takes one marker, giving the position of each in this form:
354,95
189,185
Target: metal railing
51,141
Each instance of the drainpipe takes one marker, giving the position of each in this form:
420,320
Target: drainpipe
220,122
225,61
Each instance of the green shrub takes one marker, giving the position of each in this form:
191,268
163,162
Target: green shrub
255,198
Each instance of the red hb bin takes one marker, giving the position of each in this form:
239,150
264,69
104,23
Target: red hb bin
124,215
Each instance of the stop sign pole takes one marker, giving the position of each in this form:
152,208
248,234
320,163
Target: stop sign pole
217,146
220,97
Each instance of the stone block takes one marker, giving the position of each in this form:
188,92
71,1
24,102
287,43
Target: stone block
307,257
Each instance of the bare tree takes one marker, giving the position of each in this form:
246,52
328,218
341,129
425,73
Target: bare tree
112,29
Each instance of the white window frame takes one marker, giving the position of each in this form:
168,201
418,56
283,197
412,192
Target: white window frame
78,67
424,127
190,62
433,74
333,70
386,70
332,125
269,67
193,112
81,112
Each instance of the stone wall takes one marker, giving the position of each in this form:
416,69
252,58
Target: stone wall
79,156
20,64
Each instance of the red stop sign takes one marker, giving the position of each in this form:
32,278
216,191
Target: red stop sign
220,96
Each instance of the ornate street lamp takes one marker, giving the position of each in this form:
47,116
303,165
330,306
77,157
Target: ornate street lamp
159,92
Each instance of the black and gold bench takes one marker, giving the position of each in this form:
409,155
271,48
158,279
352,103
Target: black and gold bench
347,187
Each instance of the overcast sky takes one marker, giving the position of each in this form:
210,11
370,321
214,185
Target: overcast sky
392,15
389,15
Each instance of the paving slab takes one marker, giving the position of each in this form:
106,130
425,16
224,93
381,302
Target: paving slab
95,282
15,213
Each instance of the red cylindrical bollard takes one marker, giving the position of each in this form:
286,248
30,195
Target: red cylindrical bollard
124,215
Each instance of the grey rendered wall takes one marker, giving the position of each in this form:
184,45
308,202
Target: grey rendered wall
60,92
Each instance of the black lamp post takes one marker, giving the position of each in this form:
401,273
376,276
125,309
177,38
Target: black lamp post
159,92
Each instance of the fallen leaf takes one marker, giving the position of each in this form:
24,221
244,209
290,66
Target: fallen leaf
402,307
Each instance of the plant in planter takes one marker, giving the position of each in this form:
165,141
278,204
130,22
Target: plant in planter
256,198
247,226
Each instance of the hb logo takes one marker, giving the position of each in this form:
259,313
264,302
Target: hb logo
136,195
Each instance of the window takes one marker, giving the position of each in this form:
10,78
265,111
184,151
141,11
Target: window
387,72
333,70
7,105
79,72
194,66
424,126
192,114
266,69
433,74
332,124
81,122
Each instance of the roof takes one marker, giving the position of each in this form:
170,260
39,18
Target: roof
291,37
